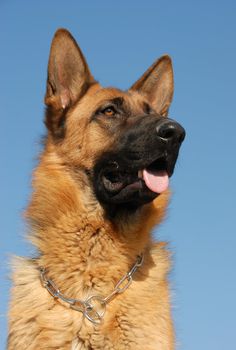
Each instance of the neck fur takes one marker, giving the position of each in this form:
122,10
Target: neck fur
73,236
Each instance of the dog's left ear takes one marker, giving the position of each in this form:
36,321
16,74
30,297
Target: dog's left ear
157,85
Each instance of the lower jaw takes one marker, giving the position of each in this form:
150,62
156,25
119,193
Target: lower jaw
133,195
117,209
148,181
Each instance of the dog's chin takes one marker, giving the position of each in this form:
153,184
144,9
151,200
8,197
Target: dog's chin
131,195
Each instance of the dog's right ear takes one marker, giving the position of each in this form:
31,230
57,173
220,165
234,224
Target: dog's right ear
68,78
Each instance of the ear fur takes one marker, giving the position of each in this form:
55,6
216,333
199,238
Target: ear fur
157,85
68,78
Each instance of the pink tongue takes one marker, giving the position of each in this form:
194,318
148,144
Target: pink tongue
156,181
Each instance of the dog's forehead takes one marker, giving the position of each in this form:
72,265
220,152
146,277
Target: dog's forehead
97,96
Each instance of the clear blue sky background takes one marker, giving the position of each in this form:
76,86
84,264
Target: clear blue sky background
120,40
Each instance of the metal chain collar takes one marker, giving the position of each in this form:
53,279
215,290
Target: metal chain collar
94,307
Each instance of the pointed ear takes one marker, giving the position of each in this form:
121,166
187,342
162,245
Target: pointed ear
68,76
157,85
68,72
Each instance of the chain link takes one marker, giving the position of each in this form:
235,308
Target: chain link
94,307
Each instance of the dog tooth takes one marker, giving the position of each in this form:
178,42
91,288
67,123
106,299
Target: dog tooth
140,174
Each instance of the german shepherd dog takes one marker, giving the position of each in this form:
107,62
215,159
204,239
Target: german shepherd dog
98,281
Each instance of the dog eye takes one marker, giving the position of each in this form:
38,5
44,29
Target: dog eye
109,111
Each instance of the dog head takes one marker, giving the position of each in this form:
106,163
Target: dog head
121,143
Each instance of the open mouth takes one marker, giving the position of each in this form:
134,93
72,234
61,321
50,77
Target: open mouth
154,177
138,168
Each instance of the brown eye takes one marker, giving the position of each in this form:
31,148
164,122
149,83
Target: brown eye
109,111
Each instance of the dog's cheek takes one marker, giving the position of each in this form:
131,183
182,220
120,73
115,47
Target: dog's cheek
95,143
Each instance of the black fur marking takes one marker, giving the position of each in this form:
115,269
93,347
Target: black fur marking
137,147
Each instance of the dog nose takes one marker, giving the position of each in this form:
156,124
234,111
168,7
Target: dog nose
169,131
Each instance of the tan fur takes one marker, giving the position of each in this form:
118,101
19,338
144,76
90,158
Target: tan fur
87,254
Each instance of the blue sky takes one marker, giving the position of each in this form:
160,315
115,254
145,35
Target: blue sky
120,40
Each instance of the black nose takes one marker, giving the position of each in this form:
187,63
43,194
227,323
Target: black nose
169,131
